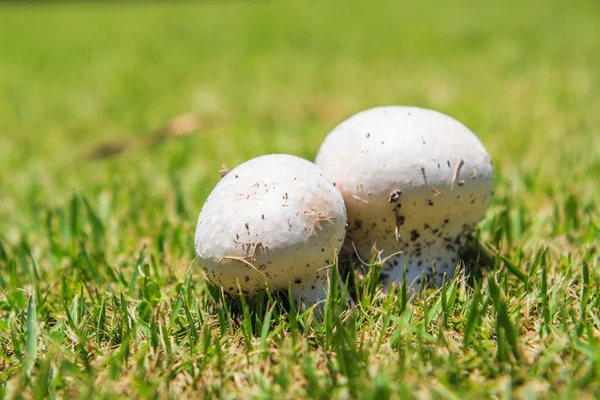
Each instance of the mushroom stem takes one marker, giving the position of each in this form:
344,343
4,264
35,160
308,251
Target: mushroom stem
313,292
431,268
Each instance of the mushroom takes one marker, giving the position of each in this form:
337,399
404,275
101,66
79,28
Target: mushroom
275,221
415,182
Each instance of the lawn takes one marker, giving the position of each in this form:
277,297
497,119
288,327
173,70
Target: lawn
100,295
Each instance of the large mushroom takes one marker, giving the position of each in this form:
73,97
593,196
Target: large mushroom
275,221
415,182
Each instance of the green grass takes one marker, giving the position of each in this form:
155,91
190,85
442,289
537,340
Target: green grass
99,293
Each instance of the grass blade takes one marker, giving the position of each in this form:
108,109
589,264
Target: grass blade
514,269
32,336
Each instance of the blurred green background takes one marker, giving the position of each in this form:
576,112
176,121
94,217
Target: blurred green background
276,77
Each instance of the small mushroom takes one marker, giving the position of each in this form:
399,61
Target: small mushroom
275,221
415,182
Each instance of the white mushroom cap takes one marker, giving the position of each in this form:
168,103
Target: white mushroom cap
415,183
275,221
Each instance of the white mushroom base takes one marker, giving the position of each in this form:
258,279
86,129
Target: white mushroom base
427,236
429,269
